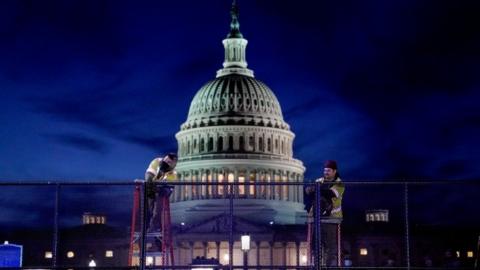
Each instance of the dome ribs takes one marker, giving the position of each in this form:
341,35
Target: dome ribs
235,100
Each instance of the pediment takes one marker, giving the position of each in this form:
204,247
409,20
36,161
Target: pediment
220,225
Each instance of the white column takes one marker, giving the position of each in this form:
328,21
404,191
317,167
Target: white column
247,184
235,180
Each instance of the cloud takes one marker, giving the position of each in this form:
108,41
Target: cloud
79,141
166,143
111,110
300,109
27,206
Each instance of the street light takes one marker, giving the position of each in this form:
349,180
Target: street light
245,240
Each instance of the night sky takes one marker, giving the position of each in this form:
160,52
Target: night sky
96,89
93,90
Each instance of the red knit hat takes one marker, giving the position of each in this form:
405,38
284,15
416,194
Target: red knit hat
332,164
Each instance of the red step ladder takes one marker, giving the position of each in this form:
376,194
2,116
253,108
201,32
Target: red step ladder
311,237
166,247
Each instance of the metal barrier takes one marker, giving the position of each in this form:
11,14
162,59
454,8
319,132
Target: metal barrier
405,187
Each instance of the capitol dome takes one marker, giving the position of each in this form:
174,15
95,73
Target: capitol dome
235,99
235,133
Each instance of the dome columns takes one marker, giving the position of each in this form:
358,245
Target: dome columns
245,177
238,139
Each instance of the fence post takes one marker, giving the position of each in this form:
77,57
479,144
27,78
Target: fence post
318,235
477,266
230,239
143,224
55,225
407,228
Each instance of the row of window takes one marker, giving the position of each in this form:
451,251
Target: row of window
220,122
234,53
71,254
204,107
376,217
259,253
248,190
469,254
254,145
88,219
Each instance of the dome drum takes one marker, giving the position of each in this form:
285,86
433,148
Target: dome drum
235,139
244,177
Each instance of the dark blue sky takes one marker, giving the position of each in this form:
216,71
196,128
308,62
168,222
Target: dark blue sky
93,90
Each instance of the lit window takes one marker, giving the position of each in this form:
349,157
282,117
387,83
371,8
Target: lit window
48,255
304,258
470,254
226,258
458,254
70,254
109,253
231,177
245,240
363,252
241,188
220,180
149,260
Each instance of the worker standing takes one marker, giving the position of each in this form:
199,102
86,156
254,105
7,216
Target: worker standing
158,172
331,214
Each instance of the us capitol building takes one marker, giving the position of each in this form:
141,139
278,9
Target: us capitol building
235,133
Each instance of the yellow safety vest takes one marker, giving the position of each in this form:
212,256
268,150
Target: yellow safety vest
154,168
338,188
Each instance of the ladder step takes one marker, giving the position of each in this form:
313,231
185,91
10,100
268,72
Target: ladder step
161,241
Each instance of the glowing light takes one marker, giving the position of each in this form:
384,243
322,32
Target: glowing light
226,258
245,239
70,254
470,254
92,263
363,251
48,255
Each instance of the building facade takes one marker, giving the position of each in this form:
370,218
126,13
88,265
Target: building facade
235,133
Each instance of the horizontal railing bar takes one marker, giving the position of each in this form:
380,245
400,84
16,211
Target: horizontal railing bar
184,183
221,267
